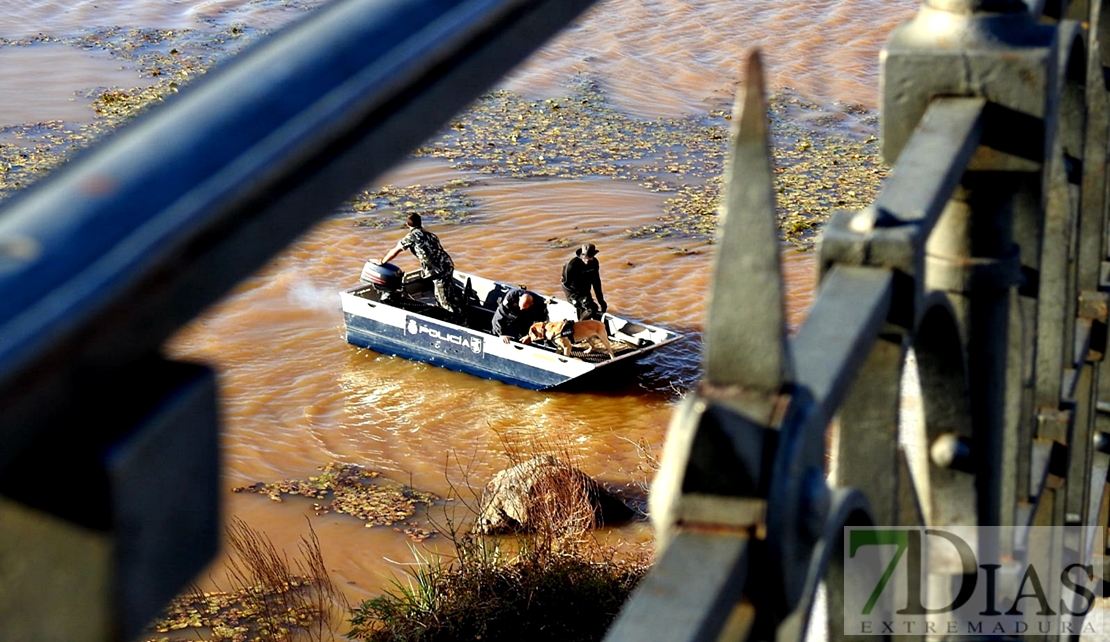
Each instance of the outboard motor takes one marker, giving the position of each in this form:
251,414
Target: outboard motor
383,276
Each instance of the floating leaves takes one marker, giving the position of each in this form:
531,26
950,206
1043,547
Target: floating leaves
352,490
574,137
446,203
169,59
270,598
231,616
34,154
415,532
825,158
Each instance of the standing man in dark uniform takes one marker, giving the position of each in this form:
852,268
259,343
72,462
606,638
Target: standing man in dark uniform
580,275
434,262
516,312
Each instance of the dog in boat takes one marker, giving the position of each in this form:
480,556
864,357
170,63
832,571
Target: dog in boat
565,333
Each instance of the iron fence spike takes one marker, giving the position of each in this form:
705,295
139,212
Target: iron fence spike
746,335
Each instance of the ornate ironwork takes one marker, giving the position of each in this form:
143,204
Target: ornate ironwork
982,263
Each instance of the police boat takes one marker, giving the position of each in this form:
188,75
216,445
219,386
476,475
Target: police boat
394,313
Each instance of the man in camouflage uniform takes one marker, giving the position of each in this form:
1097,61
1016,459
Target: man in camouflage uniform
434,262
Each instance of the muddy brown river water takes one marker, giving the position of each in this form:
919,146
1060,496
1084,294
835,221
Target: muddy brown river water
296,396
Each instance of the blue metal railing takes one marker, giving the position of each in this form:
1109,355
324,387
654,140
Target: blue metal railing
103,260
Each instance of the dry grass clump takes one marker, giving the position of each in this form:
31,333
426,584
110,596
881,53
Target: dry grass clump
269,598
532,595
553,582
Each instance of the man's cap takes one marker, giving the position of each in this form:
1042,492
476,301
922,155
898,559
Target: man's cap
587,248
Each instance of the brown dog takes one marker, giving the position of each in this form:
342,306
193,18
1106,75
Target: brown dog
587,330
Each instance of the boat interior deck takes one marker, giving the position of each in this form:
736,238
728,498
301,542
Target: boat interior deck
418,295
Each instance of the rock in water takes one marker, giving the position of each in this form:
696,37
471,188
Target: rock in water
546,493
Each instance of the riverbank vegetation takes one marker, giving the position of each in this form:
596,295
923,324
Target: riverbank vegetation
553,581
487,593
267,598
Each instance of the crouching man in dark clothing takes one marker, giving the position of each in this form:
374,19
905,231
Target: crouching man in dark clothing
516,312
581,275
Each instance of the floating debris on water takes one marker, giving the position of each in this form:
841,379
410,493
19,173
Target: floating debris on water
446,203
269,596
351,490
824,158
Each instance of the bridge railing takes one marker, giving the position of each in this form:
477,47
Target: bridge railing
982,264
102,261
